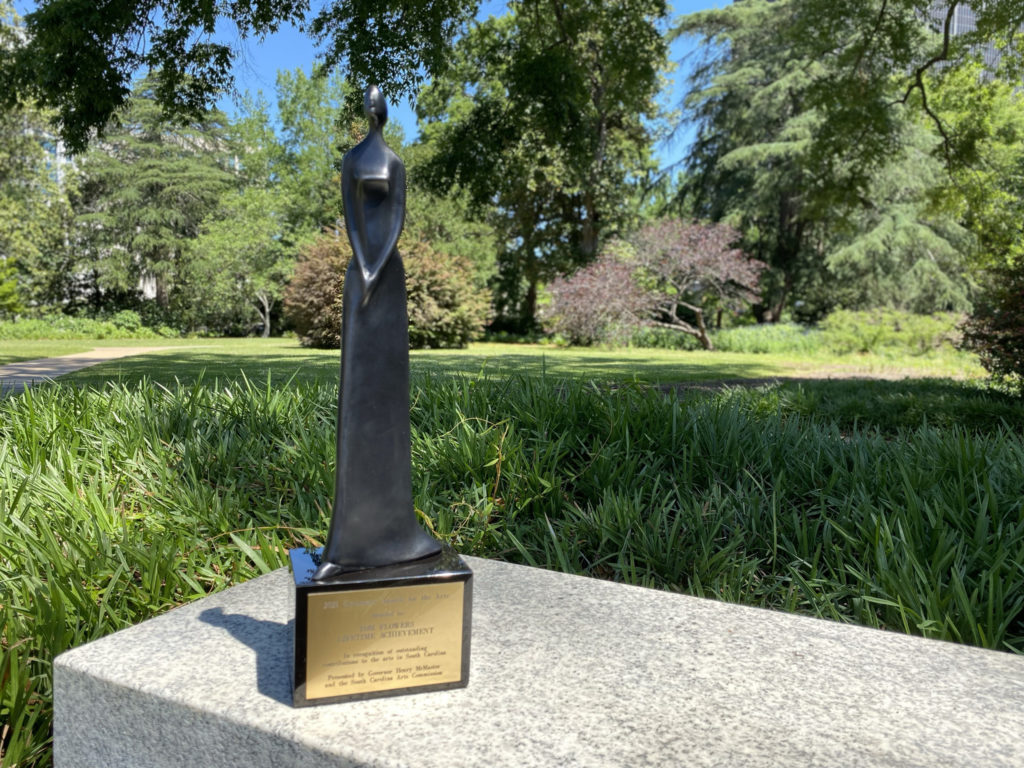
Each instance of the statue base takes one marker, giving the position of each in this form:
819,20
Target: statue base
381,631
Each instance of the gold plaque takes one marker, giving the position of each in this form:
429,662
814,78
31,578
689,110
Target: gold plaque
369,640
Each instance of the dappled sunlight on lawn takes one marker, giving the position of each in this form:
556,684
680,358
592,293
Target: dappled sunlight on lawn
647,365
280,360
283,360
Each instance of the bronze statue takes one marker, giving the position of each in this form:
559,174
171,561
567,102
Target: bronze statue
373,522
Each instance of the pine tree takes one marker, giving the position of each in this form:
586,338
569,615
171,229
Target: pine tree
831,235
145,191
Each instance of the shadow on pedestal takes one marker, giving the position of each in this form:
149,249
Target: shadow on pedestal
272,643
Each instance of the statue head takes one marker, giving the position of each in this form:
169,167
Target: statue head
375,107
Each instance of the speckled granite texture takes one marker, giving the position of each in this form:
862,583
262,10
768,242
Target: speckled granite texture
566,671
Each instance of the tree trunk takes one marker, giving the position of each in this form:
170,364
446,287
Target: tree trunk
265,313
97,293
529,311
780,305
162,297
705,340
589,229
700,332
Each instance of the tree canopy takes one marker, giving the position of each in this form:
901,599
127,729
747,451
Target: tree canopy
80,57
145,192
543,119
757,164
859,150
876,54
668,275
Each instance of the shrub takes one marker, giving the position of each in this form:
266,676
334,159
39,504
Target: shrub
60,327
10,301
995,330
770,338
648,337
598,303
668,276
876,330
312,300
127,320
689,268
842,332
445,308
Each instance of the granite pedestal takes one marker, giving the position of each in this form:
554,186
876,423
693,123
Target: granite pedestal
566,671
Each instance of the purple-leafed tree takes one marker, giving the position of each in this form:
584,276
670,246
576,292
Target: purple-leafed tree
669,275
599,301
688,268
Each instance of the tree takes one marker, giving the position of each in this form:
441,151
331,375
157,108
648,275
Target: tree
315,132
691,267
541,121
755,166
984,190
450,223
81,56
10,302
34,187
600,302
749,166
34,209
145,191
877,55
238,263
667,275
897,249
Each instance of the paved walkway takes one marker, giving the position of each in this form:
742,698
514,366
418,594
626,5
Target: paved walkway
15,377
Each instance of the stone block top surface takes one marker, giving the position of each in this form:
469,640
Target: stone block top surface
566,671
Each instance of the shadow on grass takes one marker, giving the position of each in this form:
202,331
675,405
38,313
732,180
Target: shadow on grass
187,366
863,402
890,405
603,368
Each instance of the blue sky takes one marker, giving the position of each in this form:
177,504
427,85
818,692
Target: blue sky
258,63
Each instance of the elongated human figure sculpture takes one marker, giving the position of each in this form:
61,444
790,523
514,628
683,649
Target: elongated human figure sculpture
373,522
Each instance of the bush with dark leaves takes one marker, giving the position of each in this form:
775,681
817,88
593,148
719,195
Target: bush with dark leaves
995,330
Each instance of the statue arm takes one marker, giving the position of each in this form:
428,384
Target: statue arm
370,269
396,203
355,220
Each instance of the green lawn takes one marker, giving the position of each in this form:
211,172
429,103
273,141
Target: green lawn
855,390
16,350
284,359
